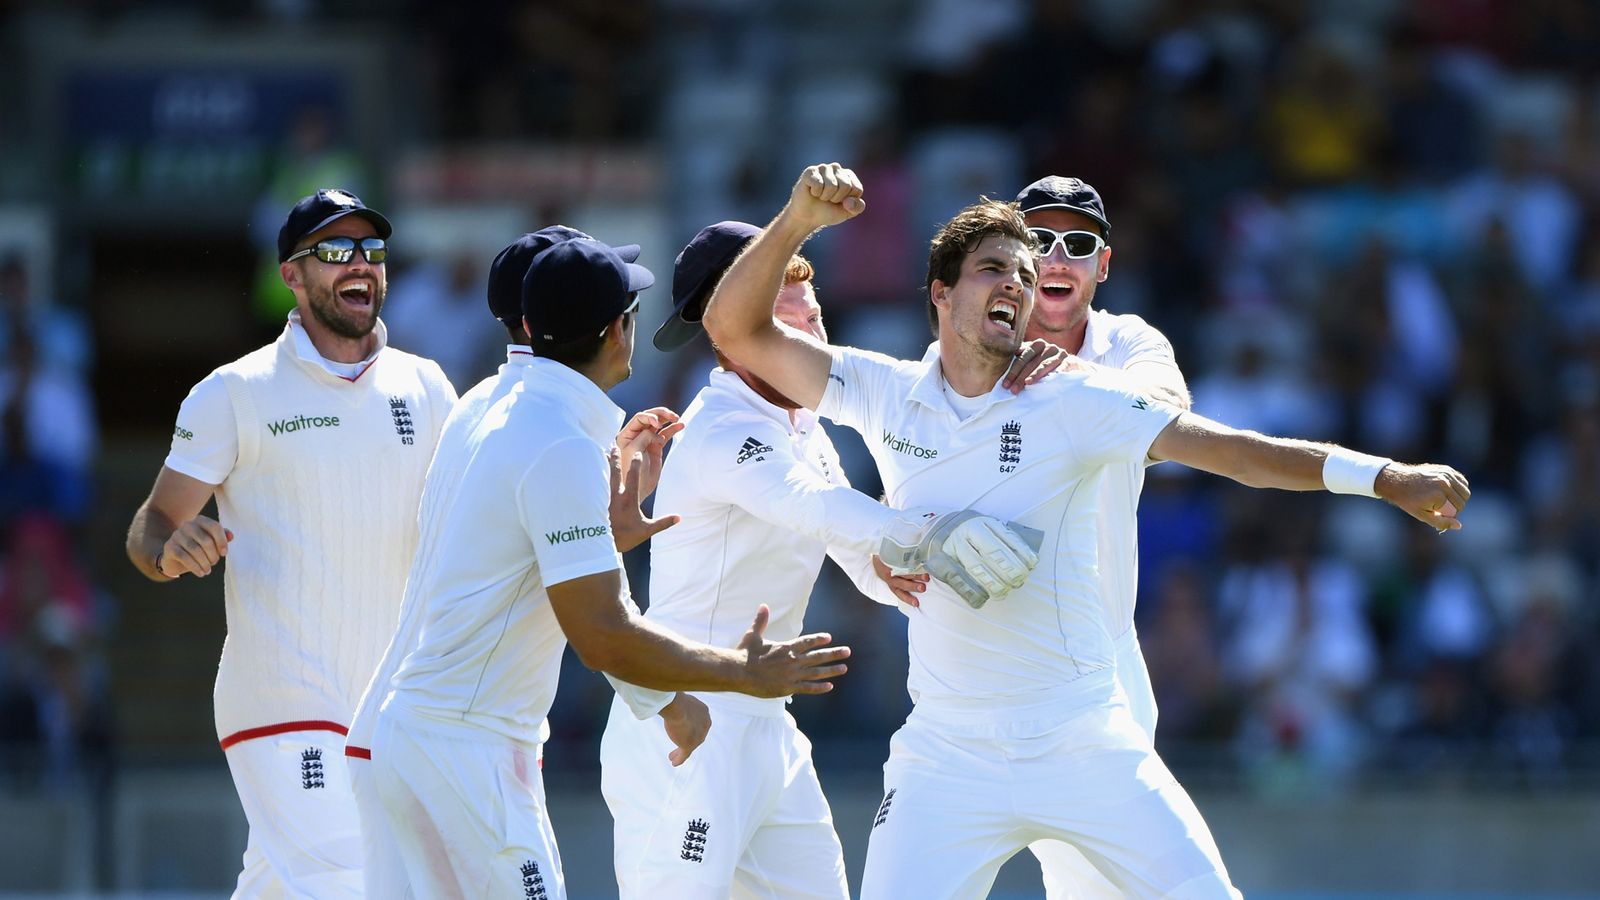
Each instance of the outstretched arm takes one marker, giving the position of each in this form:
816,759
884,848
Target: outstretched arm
1431,494
739,315
610,637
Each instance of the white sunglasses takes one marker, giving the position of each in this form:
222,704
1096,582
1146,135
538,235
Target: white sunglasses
1076,244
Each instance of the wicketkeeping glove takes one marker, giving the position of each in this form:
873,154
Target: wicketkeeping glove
978,556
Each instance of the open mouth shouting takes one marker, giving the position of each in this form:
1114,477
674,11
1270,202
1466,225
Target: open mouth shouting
356,292
1055,290
1004,312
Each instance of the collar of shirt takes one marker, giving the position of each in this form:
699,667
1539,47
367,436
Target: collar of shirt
307,351
519,354
1096,336
723,381
601,419
930,386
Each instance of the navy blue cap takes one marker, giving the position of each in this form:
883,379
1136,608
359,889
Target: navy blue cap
697,270
1071,194
574,288
510,267
320,210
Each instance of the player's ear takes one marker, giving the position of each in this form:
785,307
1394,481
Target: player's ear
290,273
618,330
939,294
1105,265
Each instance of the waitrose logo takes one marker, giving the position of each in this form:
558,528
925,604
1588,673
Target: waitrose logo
577,533
901,445
287,426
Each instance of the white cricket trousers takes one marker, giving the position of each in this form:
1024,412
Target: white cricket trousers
383,868
962,795
467,811
305,834
1068,874
744,817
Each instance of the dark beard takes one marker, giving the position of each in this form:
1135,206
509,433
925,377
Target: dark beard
331,315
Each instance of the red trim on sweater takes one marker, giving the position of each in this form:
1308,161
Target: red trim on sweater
250,734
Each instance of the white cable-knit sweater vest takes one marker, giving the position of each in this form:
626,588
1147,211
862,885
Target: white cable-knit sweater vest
322,504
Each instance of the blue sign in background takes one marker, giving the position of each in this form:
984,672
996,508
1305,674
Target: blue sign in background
141,134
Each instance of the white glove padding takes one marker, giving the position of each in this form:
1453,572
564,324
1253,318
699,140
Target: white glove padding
978,556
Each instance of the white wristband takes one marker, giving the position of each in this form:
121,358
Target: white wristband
1348,472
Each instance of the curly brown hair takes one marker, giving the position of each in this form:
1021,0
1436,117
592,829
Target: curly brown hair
962,235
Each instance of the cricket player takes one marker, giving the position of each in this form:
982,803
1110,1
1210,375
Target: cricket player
519,559
315,447
1019,732
383,866
762,498
1067,219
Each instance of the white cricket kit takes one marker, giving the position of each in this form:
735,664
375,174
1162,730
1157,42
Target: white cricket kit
318,467
383,866
454,755
1117,342
1019,732
763,498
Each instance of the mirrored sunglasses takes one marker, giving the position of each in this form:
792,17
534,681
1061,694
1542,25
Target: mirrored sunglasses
336,251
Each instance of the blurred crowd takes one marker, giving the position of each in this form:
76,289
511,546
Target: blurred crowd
1372,222
54,718
1375,223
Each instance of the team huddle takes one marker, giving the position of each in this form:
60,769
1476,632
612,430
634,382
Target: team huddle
406,567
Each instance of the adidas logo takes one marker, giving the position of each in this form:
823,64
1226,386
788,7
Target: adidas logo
752,449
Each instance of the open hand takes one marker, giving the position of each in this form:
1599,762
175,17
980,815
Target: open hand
629,526
800,666
1034,360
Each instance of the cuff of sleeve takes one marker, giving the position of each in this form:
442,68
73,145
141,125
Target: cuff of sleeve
580,569
642,702
194,470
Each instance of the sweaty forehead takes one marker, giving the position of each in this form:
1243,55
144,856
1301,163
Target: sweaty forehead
1004,247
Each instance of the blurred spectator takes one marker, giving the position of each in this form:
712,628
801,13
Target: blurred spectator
1180,641
1539,214
433,292
1534,724
314,157
47,437
869,285
1322,122
1422,105
54,714
1300,646
60,335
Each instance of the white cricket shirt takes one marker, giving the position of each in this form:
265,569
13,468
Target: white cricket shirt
318,476
762,500
1039,459
444,478
531,509
1120,341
